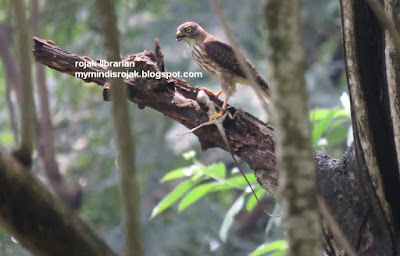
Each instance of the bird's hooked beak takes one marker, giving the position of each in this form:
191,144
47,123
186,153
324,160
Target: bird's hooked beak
179,36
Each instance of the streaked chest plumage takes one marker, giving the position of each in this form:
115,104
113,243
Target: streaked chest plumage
200,56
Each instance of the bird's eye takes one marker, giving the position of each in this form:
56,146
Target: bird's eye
189,29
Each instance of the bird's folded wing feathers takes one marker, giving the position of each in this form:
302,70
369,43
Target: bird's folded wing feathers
223,54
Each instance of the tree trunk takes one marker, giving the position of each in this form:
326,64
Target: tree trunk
375,147
297,171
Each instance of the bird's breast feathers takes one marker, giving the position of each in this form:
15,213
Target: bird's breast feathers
200,56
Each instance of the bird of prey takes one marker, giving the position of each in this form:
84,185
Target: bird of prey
218,59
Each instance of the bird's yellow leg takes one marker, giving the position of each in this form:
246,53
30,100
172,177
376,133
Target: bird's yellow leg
221,113
210,92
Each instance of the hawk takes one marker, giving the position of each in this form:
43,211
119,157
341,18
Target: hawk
219,60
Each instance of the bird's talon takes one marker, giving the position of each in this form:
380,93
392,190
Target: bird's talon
210,92
216,115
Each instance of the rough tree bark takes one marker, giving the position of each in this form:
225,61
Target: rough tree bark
343,183
369,86
297,171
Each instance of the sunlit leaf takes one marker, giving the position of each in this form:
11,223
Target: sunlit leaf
194,195
215,170
339,122
6,139
337,135
281,252
200,191
174,174
252,201
320,113
180,172
280,246
240,181
228,220
174,195
321,126
221,186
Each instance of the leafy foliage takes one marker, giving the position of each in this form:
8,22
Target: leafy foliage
198,181
330,126
277,248
228,220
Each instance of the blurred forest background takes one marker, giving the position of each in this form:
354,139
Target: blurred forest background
84,131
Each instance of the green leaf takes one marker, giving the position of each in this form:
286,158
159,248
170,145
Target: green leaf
174,174
6,139
228,220
252,201
240,181
216,171
337,135
281,252
339,122
200,191
221,186
321,126
174,195
320,113
280,245
341,113
180,172
194,195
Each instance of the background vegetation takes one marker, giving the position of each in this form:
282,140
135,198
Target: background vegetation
83,127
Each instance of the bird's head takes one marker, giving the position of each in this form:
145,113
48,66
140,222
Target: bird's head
189,31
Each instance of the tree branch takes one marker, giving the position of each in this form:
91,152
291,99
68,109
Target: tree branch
38,220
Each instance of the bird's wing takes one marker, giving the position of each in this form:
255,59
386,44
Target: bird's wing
223,54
